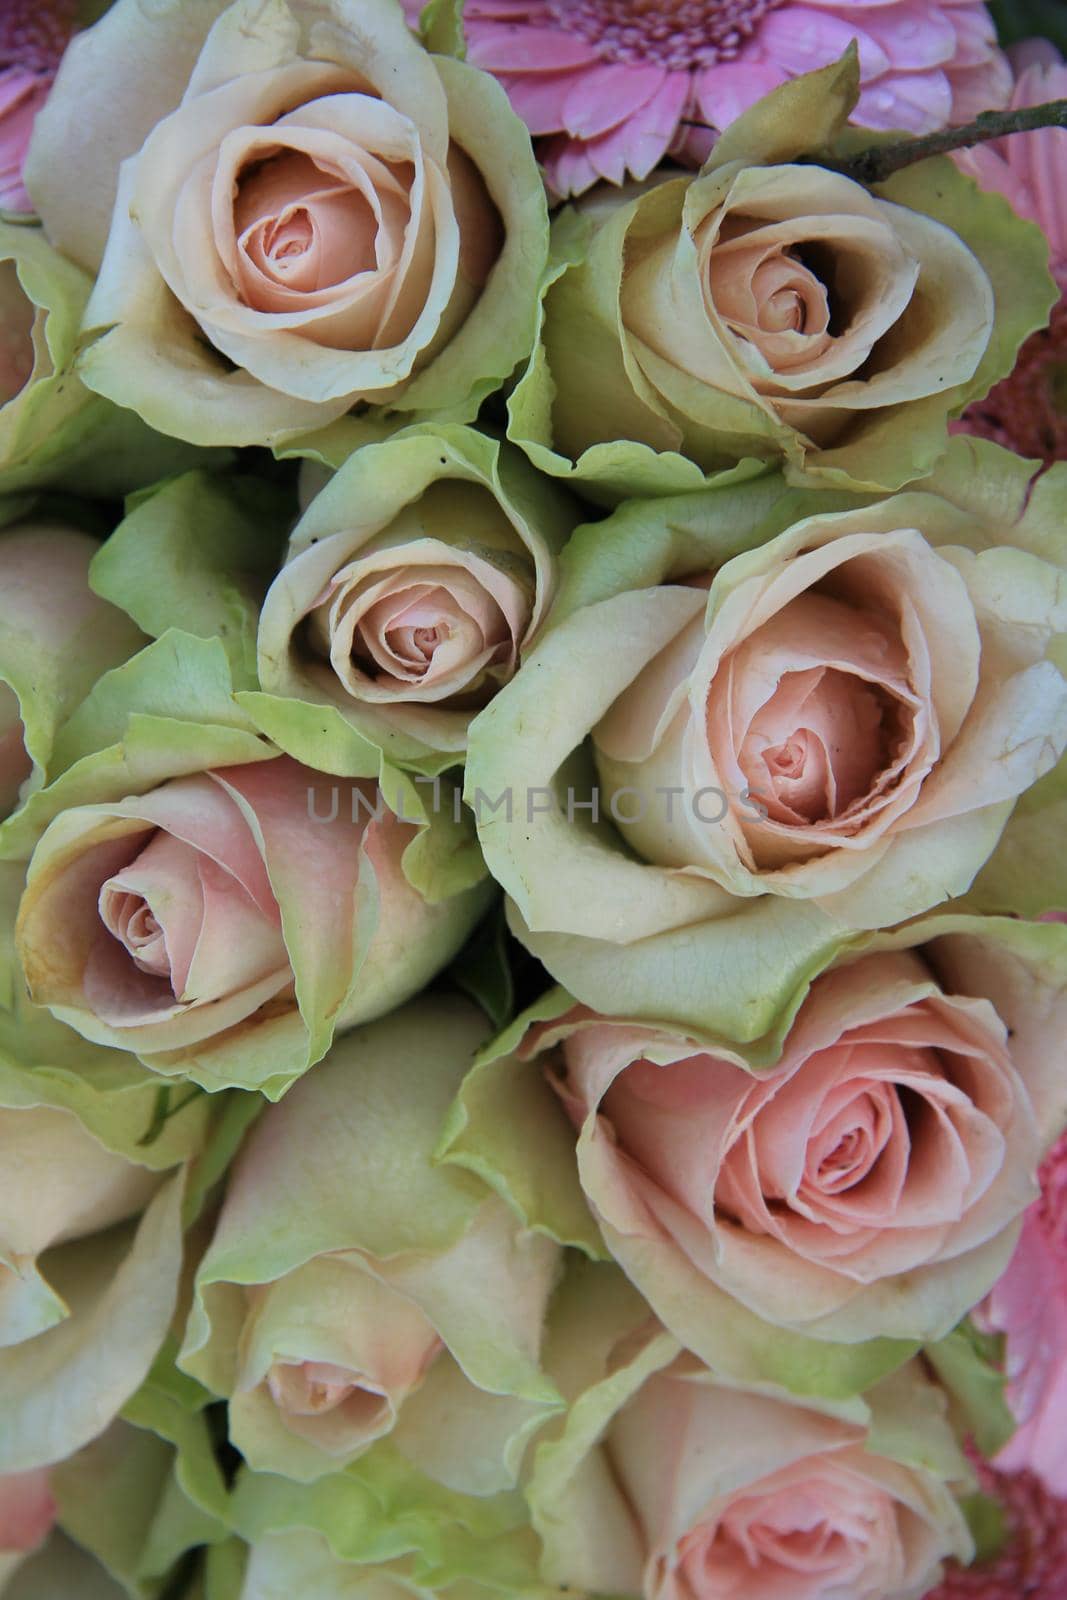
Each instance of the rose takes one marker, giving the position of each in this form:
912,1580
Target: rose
211,913
56,639
790,700
667,1484
892,1148
370,1293
411,584
775,309
858,1175
315,213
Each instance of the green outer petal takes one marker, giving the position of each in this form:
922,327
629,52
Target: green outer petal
169,711
197,555
441,26
51,658
976,1387
149,1489
382,1515
1027,872
605,473
499,332
55,433
595,1315
1013,252
62,1389
802,117
507,1126
371,486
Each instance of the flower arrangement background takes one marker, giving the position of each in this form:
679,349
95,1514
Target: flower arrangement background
533,712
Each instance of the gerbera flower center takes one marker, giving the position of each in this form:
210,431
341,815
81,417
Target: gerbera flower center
34,33
671,33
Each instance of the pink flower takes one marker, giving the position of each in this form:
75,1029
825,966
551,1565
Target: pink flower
607,86
33,35
1029,1304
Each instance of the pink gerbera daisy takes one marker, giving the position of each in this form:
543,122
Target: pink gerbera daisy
609,87
33,36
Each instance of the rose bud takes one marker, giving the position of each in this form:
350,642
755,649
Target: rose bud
334,1312
224,924
773,308
412,583
795,1211
666,1484
806,716
314,213
56,639
27,1513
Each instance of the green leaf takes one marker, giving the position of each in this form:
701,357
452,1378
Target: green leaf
441,25
970,1367
197,555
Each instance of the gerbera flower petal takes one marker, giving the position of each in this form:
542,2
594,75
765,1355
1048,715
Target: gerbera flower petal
607,95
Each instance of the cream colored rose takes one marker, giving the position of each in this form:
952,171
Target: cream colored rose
770,306
843,691
319,214
412,582
796,290
211,908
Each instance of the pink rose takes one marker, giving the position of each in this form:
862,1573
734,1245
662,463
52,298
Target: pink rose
666,1483
207,910
868,1185
741,1497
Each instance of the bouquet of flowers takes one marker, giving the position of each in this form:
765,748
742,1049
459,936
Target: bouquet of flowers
533,712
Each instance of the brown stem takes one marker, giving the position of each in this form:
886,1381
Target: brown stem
879,162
